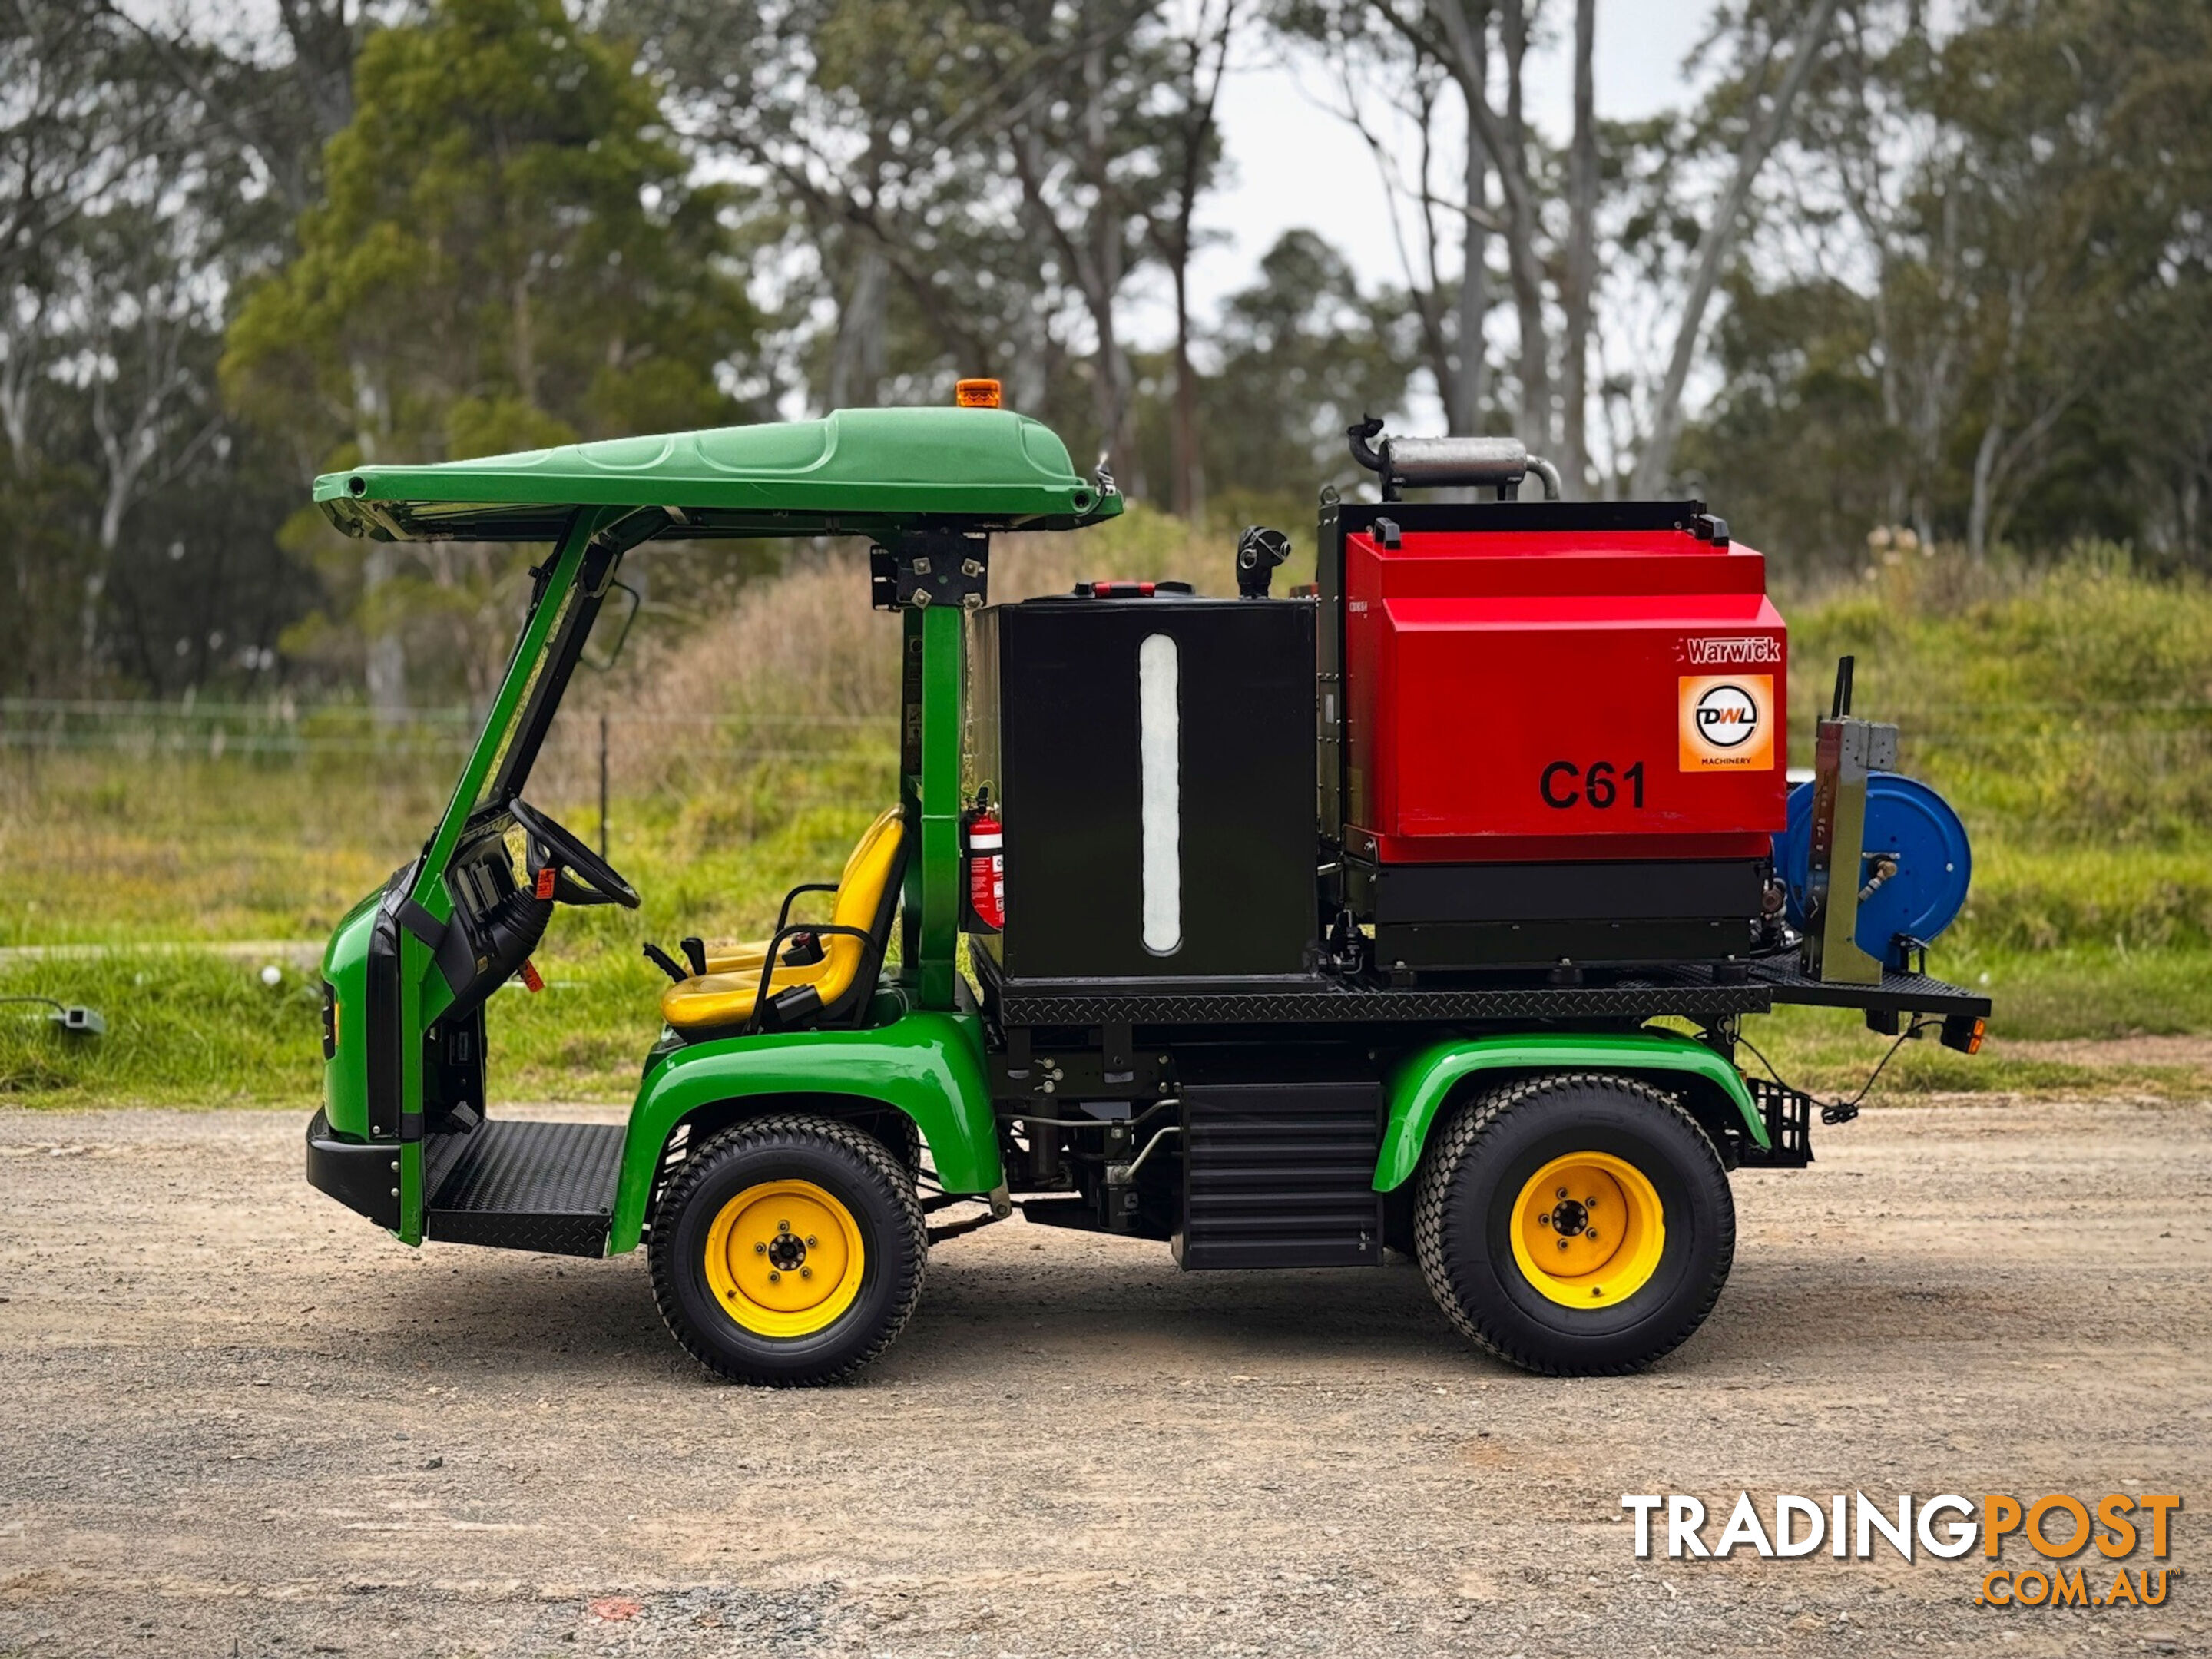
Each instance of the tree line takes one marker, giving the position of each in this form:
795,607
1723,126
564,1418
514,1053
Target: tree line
1933,275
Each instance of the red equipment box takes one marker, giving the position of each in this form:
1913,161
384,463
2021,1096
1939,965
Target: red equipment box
1540,695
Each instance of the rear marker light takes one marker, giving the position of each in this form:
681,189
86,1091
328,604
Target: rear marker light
1964,1032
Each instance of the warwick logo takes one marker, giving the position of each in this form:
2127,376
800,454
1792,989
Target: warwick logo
1748,651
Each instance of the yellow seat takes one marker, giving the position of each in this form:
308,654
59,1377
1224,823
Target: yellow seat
867,896
738,958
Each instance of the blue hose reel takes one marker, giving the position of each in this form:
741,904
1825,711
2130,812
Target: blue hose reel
1917,864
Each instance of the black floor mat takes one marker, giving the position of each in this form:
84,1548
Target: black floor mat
547,1187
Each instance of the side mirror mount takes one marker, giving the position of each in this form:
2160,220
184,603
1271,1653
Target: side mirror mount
599,658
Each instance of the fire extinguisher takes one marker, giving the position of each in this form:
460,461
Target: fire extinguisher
983,843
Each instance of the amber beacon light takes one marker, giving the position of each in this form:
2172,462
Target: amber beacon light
976,394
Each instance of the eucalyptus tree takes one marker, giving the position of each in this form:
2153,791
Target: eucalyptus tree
510,251
1978,310
129,210
975,186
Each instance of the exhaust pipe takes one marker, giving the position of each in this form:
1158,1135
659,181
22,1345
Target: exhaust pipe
1448,463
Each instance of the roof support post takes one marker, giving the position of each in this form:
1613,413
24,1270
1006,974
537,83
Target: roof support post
934,663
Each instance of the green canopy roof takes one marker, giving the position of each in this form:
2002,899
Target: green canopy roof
861,471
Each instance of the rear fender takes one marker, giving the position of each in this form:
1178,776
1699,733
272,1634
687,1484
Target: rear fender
1421,1085
928,1066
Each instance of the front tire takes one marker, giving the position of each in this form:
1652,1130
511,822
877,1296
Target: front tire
788,1251
1574,1225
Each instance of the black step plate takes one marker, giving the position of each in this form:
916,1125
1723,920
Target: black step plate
546,1187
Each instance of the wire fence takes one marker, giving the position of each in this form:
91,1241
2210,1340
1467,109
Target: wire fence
198,768
284,728
212,731
2103,759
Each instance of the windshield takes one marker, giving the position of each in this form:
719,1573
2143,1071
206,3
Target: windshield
533,711
496,776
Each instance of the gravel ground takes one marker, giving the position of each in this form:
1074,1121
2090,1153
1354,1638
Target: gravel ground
238,1421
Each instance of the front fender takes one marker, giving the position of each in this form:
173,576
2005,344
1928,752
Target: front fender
1421,1083
929,1066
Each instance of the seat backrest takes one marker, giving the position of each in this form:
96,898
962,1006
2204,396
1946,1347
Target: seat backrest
867,897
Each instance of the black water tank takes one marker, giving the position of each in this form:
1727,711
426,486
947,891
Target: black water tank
1155,758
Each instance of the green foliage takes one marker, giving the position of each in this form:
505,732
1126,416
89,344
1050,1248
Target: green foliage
46,545
1303,352
509,254
181,1025
2066,706
1971,297
746,756
133,510
231,850
1984,312
1975,311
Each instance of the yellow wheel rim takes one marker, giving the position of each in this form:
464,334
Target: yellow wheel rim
1588,1230
785,1259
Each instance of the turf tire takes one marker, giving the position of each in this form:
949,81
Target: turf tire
1473,1172
903,1136
870,1182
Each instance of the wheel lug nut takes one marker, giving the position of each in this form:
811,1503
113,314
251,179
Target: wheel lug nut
783,1226
1562,1192
1563,1245
773,1277
760,1249
806,1272
1592,1235
810,1241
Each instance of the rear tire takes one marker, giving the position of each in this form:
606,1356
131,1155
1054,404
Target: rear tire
788,1251
1520,1264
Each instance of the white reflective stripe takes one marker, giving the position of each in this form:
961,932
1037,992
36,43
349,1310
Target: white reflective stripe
1159,749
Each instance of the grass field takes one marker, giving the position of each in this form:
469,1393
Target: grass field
2068,713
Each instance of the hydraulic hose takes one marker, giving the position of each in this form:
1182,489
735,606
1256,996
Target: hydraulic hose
1099,1122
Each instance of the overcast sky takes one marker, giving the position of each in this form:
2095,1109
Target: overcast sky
1293,164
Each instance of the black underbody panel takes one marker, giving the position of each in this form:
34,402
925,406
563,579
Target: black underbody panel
1280,1174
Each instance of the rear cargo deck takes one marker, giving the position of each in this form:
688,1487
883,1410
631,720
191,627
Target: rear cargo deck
1693,991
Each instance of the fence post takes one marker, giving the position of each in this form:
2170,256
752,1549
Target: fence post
603,785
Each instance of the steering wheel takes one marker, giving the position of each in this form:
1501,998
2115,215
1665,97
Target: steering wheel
582,875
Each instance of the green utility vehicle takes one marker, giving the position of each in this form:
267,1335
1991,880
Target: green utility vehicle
1291,939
